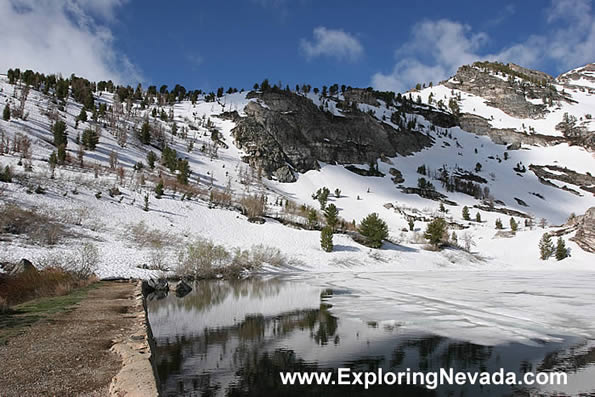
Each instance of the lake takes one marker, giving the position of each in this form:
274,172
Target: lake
234,337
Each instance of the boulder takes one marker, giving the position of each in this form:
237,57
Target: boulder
284,174
154,285
22,266
397,175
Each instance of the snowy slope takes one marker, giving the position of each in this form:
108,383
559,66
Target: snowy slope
185,220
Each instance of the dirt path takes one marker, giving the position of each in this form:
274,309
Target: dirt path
68,353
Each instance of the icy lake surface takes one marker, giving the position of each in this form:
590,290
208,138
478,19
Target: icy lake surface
233,338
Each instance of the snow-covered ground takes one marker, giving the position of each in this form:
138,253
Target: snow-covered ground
109,219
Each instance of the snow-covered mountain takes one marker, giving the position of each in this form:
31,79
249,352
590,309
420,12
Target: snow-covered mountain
502,140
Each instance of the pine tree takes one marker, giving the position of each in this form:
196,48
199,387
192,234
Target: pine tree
478,217
82,115
90,139
331,214
499,224
159,189
6,113
151,158
411,223
60,135
561,250
326,239
61,154
374,230
546,247
145,133
146,207
337,193
312,218
513,225
436,231
466,213
183,171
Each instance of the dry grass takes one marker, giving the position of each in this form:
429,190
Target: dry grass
31,284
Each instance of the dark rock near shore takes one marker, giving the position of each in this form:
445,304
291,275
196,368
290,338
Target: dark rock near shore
182,289
153,285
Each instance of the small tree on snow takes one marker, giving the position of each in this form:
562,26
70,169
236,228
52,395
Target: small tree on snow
513,225
331,214
159,189
466,213
436,232
499,224
561,250
546,247
326,239
374,229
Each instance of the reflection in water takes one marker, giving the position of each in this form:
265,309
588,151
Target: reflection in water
233,338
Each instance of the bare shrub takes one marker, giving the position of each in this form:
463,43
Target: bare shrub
76,216
37,226
418,238
88,259
144,236
202,259
157,259
253,206
220,198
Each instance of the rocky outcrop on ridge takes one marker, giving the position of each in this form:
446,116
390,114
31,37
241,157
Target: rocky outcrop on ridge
284,132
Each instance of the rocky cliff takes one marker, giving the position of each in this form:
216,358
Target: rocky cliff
284,131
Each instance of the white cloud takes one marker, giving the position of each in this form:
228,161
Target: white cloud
332,43
437,48
63,36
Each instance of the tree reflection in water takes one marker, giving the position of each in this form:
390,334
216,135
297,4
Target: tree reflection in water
244,357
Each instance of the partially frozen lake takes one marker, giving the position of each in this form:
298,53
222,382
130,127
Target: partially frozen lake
233,338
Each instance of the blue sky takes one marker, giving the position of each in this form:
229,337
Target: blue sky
206,44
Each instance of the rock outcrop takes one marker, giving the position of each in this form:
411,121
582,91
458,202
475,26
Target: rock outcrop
585,230
511,95
504,136
284,132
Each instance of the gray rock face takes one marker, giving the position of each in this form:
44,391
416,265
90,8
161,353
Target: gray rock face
284,174
289,132
360,95
509,96
545,172
585,234
481,126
